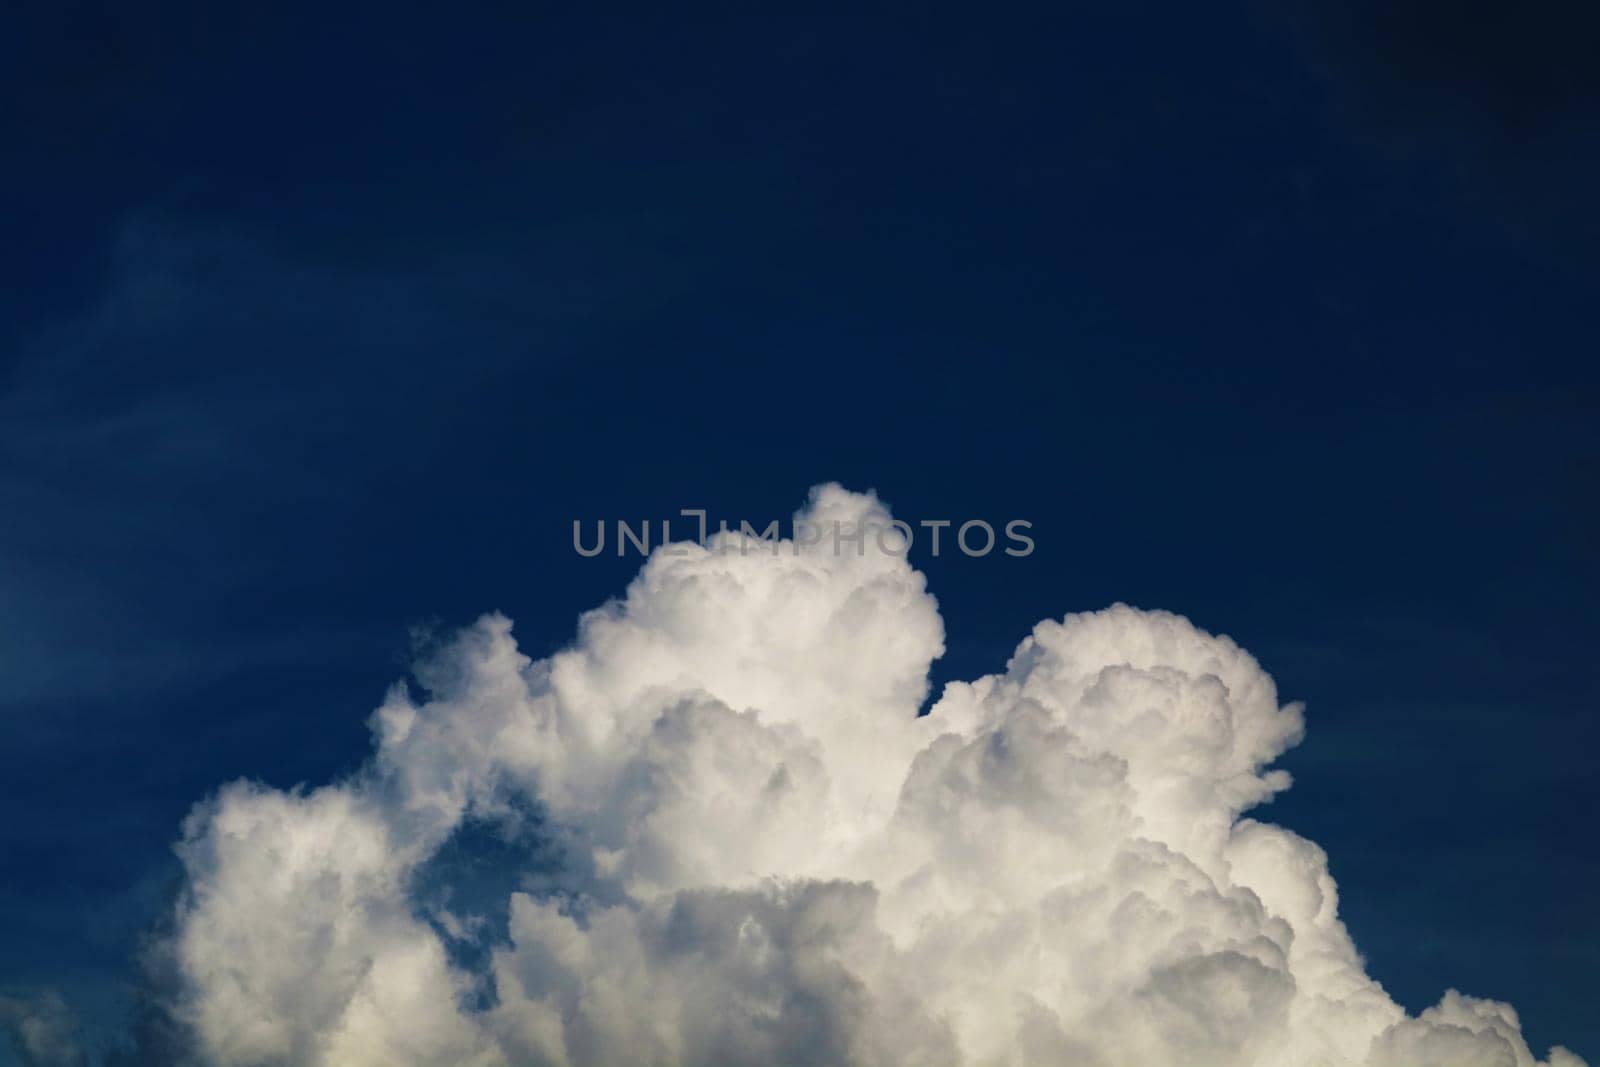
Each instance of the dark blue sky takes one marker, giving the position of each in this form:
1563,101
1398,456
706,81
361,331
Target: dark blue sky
317,327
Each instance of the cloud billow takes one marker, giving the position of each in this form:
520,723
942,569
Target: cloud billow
766,856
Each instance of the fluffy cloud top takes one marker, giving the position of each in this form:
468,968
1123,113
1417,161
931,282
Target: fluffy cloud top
763,855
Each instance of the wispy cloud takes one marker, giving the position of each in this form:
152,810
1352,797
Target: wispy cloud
42,1030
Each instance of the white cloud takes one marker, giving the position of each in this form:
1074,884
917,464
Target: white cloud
771,859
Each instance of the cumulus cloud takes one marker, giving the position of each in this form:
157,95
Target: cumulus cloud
753,850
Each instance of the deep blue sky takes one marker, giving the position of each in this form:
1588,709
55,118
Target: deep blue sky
317,327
